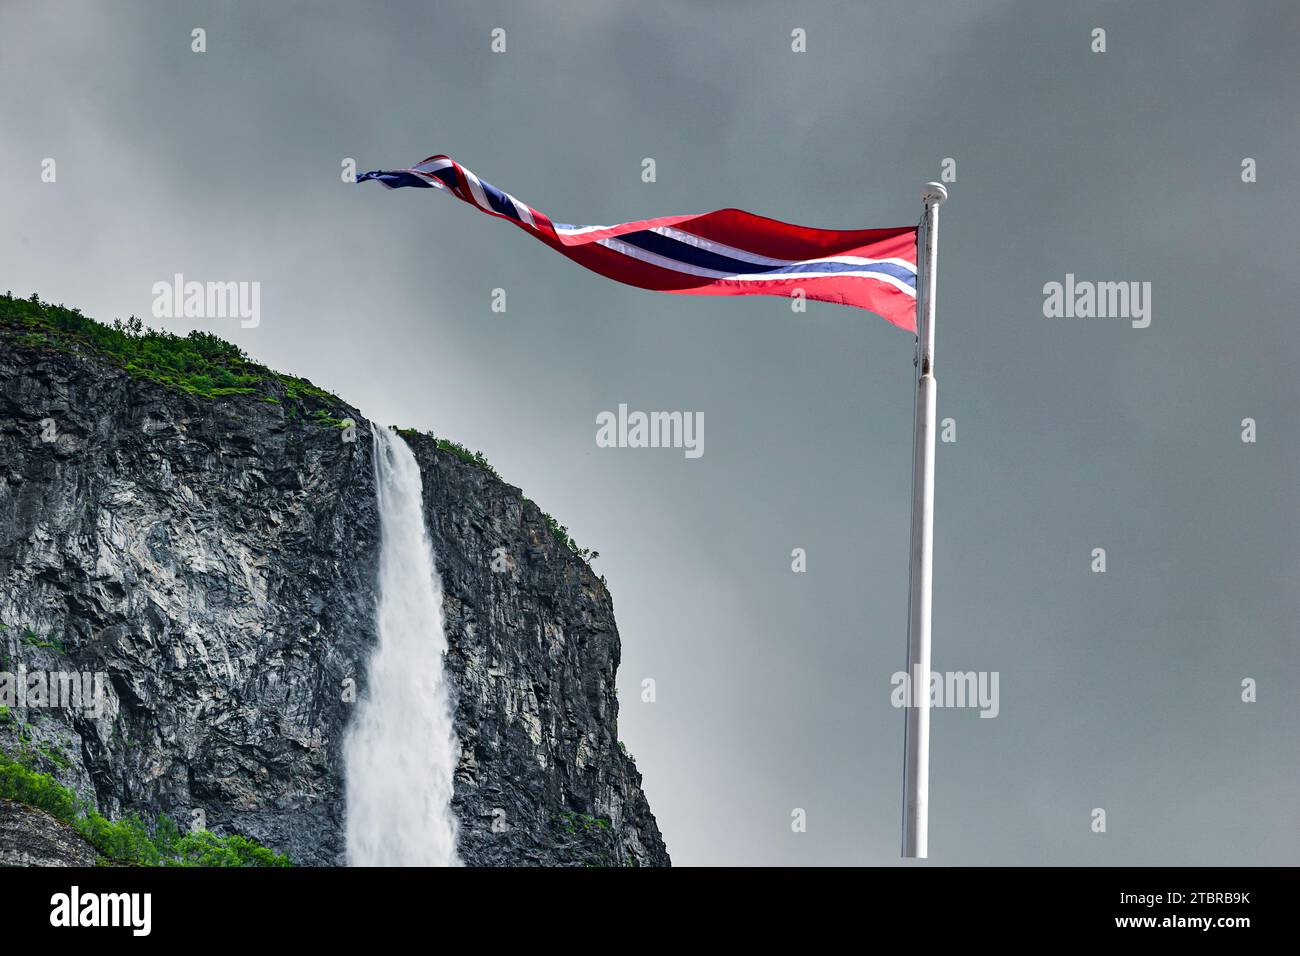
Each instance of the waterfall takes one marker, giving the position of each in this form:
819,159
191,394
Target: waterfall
400,753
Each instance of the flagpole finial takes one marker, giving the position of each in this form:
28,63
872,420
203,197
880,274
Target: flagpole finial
934,194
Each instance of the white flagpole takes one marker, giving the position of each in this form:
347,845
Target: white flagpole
916,765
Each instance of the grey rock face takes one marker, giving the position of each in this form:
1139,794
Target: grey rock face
31,837
533,652
215,559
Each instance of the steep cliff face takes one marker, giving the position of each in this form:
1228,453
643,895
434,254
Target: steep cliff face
533,653
215,559
31,837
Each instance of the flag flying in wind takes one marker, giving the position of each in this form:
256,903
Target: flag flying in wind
726,252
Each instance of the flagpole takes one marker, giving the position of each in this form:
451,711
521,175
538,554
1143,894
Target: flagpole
916,761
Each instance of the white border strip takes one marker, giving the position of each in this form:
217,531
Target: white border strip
635,252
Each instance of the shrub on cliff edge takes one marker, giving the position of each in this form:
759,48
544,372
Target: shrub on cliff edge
128,840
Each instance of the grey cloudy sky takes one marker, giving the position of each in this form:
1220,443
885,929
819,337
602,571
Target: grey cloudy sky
1118,690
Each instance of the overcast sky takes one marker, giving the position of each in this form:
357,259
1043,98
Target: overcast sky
1119,690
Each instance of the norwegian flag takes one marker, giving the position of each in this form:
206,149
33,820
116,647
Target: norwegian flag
726,252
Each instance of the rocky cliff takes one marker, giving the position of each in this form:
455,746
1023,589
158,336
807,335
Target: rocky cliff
31,837
211,552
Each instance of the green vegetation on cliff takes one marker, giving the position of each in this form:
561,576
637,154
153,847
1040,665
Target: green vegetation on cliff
558,531
456,448
204,365
198,364
129,841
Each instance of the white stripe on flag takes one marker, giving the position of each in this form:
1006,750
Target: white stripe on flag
477,189
433,165
663,262
731,252
579,230
427,177
525,213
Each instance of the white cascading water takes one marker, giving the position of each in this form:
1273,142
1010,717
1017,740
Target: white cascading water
400,753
